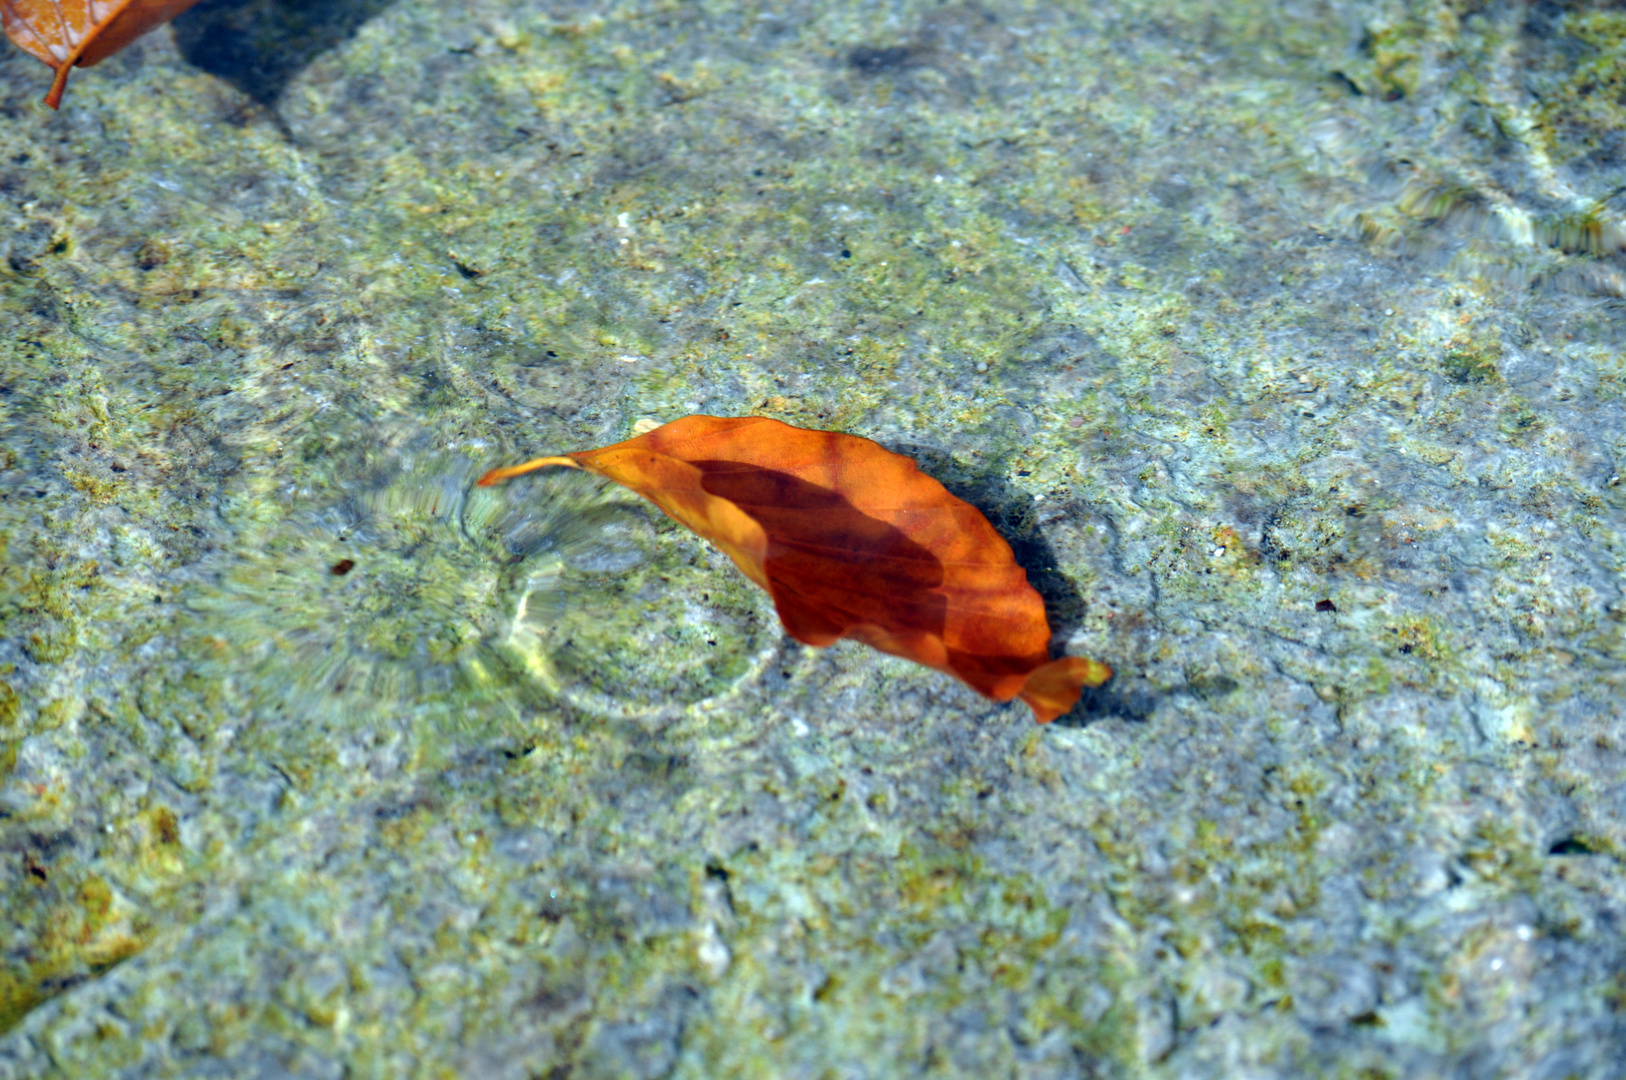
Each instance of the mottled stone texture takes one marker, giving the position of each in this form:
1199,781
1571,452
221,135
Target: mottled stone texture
1284,341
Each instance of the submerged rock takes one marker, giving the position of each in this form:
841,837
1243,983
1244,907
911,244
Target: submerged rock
1285,344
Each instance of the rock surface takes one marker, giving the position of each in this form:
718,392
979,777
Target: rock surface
1284,342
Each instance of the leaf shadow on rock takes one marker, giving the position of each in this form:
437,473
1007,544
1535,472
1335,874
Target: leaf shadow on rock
259,46
1015,515
1011,512
1109,700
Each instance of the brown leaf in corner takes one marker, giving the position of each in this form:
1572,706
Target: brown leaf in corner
851,541
78,33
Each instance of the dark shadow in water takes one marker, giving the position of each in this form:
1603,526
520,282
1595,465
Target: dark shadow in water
1106,702
868,60
260,45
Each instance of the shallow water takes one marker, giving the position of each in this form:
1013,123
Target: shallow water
1283,341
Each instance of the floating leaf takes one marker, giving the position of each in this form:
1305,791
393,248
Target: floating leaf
851,541
70,33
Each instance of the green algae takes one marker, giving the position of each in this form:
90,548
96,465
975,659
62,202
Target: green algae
10,705
570,227
1584,102
1008,925
1468,362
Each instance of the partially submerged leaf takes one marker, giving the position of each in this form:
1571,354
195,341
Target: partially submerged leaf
70,33
851,541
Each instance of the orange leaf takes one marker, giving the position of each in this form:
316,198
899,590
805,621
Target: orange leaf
851,541
69,33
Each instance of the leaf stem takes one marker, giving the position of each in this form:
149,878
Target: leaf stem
497,476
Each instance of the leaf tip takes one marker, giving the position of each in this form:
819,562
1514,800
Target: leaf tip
1053,689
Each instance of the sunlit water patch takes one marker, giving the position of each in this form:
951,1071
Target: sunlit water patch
413,595
644,620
